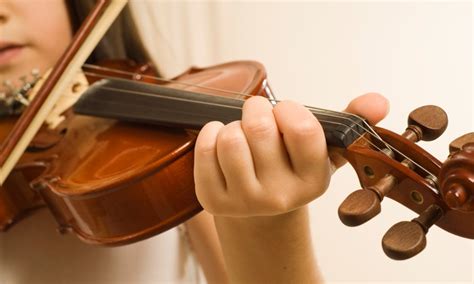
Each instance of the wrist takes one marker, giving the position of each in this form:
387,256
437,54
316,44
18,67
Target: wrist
299,215
277,247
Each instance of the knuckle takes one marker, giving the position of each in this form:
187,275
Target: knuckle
251,194
259,127
257,101
248,193
206,140
279,204
313,187
205,149
306,129
231,139
213,124
212,203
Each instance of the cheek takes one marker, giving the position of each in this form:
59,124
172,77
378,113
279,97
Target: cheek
52,31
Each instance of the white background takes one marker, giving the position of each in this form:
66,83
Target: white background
320,54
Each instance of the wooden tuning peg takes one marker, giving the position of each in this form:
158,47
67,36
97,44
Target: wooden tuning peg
457,174
364,204
406,239
426,123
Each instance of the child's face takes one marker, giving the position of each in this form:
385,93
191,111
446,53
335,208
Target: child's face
33,34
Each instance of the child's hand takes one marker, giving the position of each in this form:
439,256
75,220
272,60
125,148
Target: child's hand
273,161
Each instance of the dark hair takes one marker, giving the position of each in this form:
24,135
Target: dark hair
122,40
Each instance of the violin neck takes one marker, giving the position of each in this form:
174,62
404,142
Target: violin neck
154,104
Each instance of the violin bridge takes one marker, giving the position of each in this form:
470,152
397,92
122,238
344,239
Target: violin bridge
67,100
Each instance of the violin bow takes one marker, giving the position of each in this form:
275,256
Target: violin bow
85,40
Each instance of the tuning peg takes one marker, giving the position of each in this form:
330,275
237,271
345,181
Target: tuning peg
426,123
35,73
8,86
406,239
457,174
364,204
23,79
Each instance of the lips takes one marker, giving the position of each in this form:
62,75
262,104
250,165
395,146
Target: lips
8,51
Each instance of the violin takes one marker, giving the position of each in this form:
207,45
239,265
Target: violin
110,175
387,164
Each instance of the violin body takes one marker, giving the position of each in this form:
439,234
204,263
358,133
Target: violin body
114,182
112,188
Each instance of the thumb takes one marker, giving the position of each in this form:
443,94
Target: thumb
371,106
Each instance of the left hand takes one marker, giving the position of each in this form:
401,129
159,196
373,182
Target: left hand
273,161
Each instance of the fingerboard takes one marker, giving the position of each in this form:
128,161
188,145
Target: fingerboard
154,104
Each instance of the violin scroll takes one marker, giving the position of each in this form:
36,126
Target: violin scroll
394,166
457,175
424,123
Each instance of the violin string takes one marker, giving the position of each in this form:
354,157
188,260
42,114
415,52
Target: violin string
315,109
201,86
234,107
245,95
206,87
224,91
156,78
327,112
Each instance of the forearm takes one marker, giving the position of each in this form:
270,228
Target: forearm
274,249
206,247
